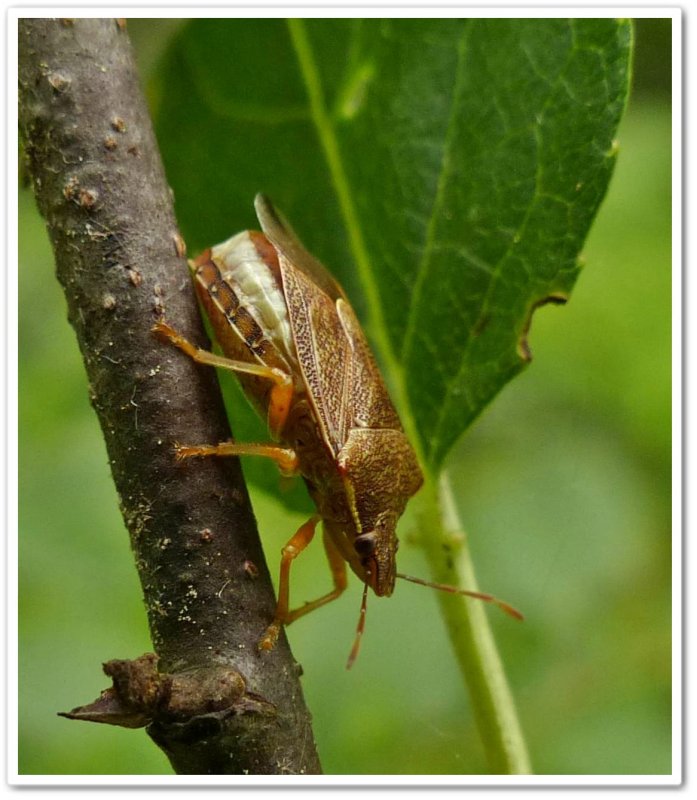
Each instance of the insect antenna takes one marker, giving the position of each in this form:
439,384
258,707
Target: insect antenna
359,629
487,598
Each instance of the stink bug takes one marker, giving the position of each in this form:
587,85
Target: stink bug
288,331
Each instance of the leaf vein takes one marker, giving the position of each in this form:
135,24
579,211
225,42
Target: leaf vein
329,143
433,445
423,268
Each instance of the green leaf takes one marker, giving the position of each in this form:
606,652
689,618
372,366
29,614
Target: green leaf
447,171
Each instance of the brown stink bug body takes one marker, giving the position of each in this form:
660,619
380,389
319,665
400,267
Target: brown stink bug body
288,331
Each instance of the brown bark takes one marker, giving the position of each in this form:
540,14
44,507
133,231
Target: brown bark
99,183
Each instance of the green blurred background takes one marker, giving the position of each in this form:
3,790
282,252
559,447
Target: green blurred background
564,486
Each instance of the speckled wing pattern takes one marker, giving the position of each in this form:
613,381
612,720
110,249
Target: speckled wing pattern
340,373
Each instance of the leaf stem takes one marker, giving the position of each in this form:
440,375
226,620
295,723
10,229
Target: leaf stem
470,633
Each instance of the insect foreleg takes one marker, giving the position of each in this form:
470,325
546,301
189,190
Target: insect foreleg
337,565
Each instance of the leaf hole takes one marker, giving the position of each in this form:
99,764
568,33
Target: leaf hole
557,299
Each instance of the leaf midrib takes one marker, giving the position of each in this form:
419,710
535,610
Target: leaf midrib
332,152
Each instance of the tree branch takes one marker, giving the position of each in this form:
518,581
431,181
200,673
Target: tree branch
100,185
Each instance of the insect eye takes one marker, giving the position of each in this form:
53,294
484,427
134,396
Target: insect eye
365,544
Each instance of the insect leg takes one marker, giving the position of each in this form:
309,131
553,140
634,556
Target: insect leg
281,392
337,565
279,405
285,458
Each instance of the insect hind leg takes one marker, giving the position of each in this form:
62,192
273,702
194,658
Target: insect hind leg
282,391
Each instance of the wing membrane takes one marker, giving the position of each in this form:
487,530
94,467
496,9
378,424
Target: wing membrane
343,381
279,231
324,352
